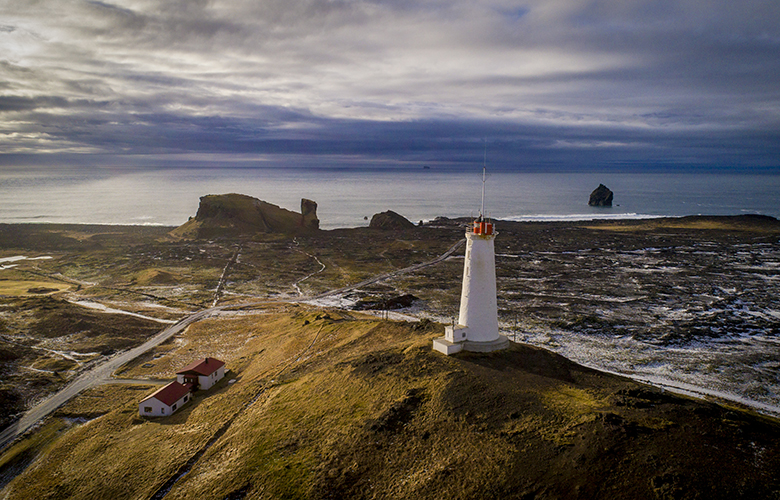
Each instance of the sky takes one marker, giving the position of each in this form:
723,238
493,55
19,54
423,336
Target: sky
534,84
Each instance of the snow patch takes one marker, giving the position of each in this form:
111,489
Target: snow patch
102,308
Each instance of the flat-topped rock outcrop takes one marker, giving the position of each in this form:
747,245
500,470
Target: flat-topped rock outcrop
230,215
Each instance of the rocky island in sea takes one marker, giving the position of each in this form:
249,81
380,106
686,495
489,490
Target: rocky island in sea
601,197
323,400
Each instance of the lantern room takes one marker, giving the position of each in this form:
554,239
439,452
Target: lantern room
482,227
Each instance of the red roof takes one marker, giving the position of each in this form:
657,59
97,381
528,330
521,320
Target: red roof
205,367
170,393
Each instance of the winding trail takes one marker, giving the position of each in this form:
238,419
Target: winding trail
385,276
70,356
103,308
295,285
221,283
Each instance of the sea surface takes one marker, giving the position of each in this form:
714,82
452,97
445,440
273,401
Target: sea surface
348,198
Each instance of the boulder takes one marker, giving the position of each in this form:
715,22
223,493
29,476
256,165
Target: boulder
601,197
390,220
232,215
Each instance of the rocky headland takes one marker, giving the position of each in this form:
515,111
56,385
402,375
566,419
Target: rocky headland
231,215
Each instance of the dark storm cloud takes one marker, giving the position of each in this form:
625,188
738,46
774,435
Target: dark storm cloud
549,83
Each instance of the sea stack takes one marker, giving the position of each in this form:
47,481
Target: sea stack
601,197
477,327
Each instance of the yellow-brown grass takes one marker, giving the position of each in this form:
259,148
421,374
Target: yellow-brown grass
330,404
25,288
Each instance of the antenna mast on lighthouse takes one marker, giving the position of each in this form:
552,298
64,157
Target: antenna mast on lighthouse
484,167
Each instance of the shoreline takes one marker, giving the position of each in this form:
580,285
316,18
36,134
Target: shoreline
540,219
690,390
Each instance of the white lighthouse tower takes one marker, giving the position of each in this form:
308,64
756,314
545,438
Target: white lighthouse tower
477,328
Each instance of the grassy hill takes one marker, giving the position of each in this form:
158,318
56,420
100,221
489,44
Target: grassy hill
326,404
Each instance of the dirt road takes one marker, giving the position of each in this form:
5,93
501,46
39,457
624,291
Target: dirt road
95,376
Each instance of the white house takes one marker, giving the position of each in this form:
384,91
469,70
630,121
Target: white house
202,374
165,401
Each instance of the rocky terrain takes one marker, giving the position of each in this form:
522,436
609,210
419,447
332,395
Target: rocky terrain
688,303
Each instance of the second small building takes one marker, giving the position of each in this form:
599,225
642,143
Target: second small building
165,401
202,374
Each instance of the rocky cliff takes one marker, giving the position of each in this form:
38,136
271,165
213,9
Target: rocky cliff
233,215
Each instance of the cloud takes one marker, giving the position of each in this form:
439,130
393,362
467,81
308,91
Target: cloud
550,82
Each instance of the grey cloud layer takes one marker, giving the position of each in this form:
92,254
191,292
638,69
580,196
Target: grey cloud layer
549,82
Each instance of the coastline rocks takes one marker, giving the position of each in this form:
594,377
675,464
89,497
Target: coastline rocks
390,220
601,197
231,215
385,304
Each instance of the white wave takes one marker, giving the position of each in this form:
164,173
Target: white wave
578,217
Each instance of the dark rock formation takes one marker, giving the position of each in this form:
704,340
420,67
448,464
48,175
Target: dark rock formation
601,197
375,303
231,215
309,214
42,290
390,220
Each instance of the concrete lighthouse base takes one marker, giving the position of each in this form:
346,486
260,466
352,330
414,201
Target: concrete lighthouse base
494,345
446,346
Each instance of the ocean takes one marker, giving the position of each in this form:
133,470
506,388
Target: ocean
349,197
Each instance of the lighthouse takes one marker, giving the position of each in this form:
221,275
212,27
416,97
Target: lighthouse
477,327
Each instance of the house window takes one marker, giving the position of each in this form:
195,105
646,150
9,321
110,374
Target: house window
186,398
173,408
147,409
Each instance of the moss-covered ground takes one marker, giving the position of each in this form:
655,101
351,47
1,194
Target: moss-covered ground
327,404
